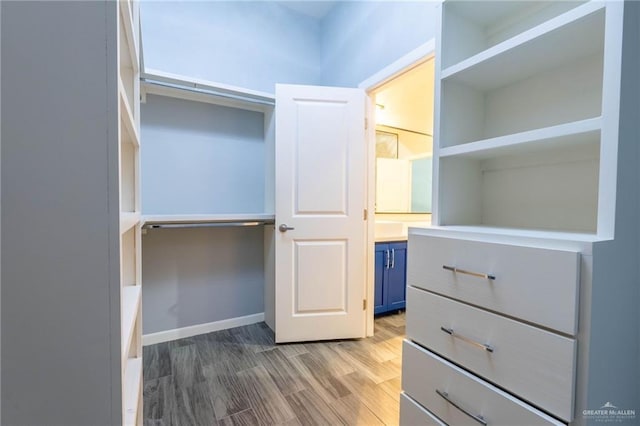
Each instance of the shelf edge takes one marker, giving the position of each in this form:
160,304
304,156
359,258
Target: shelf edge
485,146
519,40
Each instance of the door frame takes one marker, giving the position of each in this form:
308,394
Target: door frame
412,59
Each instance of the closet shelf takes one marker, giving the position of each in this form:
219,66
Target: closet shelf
203,220
564,39
128,220
127,119
568,134
177,86
132,388
130,304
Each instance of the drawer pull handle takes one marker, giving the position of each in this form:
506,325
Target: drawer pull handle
478,418
462,271
484,346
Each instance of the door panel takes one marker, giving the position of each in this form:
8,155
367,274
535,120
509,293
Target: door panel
380,269
320,198
318,288
321,175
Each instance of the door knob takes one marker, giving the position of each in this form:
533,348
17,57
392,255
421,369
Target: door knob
285,228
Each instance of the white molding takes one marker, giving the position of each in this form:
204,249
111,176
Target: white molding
418,55
194,330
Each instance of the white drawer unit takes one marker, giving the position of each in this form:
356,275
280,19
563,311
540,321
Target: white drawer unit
412,413
535,284
460,398
534,364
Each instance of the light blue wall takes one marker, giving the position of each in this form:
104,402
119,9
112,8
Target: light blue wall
242,43
200,158
201,275
359,38
258,44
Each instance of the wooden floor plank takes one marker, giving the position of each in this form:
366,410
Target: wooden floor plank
268,404
156,361
353,412
194,405
256,337
227,392
331,358
322,373
310,409
392,387
383,405
159,401
243,418
186,367
284,374
363,358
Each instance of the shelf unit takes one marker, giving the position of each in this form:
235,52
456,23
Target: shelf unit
521,88
208,182
130,218
535,184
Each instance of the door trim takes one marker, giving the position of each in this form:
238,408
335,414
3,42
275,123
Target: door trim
412,59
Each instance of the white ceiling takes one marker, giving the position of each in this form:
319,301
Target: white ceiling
407,100
313,8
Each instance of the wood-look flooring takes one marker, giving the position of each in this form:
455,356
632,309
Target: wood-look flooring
240,377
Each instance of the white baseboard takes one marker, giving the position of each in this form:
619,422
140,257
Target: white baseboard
194,330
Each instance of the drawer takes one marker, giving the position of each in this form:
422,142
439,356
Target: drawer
534,284
429,379
412,414
537,365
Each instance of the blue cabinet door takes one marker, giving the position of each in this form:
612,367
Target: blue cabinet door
380,277
397,282
390,276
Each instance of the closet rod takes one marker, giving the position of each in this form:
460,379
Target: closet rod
202,91
203,224
404,130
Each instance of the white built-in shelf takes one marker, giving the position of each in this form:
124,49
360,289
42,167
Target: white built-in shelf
563,135
468,29
129,32
132,390
564,39
130,305
127,118
128,220
166,84
248,219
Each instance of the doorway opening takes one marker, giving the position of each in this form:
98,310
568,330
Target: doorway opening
404,142
401,107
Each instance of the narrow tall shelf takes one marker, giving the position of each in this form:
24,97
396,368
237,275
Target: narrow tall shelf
130,217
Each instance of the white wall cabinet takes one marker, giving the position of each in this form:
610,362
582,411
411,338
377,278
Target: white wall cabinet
535,187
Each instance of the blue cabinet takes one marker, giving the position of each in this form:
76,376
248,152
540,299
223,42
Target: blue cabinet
390,276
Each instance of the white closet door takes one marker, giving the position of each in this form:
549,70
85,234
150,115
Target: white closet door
320,197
